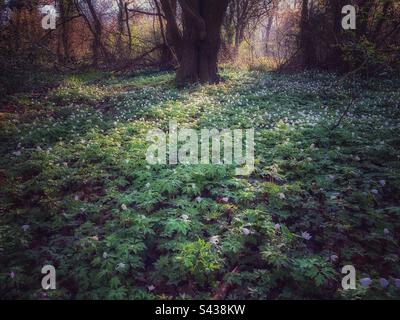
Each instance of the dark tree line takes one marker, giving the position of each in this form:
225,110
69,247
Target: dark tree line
192,36
323,43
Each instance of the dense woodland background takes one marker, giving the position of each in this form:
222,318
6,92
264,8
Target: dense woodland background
76,191
191,35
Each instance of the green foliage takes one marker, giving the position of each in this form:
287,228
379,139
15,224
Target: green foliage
199,259
77,192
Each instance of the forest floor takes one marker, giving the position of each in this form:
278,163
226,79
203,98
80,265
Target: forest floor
77,192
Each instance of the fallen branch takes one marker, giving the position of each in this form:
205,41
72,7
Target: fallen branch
148,13
342,116
135,60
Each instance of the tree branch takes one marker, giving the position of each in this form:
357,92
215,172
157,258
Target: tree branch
171,21
148,13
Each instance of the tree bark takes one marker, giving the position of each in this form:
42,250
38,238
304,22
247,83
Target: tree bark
65,13
128,28
198,44
96,28
168,57
268,33
307,47
120,23
335,55
239,37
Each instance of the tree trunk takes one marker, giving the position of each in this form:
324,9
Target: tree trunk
229,33
96,28
307,47
198,44
335,55
120,23
268,33
364,8
239,36
128,28
65,8
168,57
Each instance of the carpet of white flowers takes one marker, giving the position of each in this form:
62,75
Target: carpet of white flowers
77,193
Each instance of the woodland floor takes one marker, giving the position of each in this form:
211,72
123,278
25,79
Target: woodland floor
77,192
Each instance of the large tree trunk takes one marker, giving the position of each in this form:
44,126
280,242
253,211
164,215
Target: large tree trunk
198,44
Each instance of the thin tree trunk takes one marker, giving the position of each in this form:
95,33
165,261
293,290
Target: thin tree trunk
239,36
120,23
128,28
65,11
97,29
268,32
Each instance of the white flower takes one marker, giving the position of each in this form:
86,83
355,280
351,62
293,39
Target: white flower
25,227
386,231
246,231
374,191
305,235
382,183
95,238
277,227
334,195
225,199
120,266
199,199
124,207
148,185
105,255
214,240
281,196
17,153
334,258
12,275
76,198
151,288
185,217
